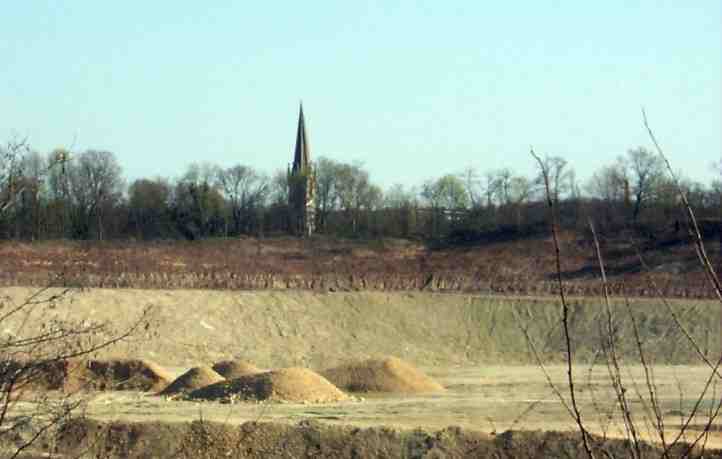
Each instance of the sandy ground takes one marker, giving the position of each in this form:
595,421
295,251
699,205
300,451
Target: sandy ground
458,339
487,399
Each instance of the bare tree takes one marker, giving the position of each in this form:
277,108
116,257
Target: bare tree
40,349
197,202
355,192
11,156
40,346
646,172
446,196
95,182
245,190
502,186
608,183
470,177
490,186
447,192
24,216
326,184
400,208
559,174
638,404
23,176
279,187
397,197
149,207
573,406
510,192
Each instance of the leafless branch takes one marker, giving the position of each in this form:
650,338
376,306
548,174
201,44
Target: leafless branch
609,345
699,242
565,307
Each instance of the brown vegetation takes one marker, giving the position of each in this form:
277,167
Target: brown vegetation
513,267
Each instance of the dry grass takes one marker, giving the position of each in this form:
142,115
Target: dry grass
519,267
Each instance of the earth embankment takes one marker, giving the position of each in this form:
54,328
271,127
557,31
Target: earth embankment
310,439
318,330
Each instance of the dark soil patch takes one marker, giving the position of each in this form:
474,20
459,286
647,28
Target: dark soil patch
74,375
312,439
118,374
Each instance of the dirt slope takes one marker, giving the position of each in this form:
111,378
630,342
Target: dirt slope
319,330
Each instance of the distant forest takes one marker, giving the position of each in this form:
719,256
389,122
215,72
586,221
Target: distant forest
84,196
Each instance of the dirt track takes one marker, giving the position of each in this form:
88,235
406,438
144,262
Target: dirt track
487,399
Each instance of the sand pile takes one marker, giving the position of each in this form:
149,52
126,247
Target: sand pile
287,385
193,379
387,374
117,374
232,369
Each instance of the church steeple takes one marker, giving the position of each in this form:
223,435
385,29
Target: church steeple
302,153
302,184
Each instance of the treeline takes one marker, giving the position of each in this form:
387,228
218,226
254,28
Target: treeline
85,196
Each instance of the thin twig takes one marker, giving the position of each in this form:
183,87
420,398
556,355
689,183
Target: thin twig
610,348
711,277
565,308
648,377
696,407
675,317
699,242
540,363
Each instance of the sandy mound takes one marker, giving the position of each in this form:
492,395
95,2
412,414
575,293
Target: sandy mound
193,379
117,374
232,369
388,374
287,384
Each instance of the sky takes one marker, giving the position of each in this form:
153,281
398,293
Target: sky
412,89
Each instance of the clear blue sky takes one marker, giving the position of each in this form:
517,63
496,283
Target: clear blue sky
414,89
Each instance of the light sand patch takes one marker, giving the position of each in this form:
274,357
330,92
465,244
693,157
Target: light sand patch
193,379
284,385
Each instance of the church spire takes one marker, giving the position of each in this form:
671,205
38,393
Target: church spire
302,154
302,184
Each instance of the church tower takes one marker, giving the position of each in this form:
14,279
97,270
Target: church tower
302,184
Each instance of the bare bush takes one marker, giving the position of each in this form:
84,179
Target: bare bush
40,347
637,405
